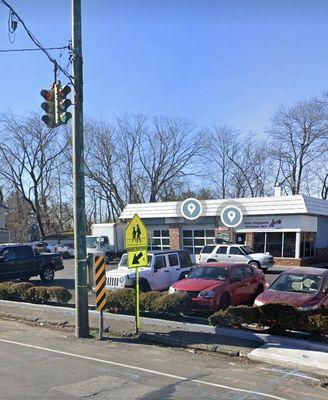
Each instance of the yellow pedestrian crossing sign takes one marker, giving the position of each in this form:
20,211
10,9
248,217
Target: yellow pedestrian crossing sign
136,234
137,258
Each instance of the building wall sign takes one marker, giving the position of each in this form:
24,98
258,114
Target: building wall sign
273,223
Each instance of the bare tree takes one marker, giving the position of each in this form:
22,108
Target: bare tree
298,137
168,149
28,154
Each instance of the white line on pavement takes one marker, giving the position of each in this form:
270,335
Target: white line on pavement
150,371
298,374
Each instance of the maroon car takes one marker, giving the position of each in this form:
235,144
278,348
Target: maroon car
302,287
218,285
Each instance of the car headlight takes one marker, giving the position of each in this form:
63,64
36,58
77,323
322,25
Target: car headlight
122,279
258,303
309,308
172,290
206,293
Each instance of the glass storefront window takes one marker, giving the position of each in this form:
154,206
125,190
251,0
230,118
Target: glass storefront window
195,239
259,242
160,239
274,243
307,248
289,244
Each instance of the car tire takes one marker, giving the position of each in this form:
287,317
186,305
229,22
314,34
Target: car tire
225,301
255,264
144,286
47,274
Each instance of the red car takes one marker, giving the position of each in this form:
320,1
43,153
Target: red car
218,285
302,287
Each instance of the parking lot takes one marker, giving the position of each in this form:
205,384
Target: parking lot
65,278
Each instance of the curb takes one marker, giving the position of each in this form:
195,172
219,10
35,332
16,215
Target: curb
209,348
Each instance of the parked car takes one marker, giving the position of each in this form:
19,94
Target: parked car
302,287
60,249
21,261
218,285
236,254
164,268
40,247
70,248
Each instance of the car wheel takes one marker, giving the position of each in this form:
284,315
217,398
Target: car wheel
144,286
225,302
47,274
255,264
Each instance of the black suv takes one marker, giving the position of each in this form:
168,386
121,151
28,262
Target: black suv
20,261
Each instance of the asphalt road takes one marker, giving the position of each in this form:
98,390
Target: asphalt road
65,278
39,363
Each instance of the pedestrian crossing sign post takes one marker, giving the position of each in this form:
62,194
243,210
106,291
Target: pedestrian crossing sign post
136,242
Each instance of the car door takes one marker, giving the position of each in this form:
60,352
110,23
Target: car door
8,264
161,273
221,254
236,255
26,261
250,281
174,267
237,286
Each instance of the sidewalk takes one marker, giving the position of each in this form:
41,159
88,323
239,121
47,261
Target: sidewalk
298,354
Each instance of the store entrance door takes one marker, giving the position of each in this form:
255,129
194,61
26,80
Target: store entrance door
240,238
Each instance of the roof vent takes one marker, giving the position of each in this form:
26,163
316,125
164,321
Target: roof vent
278,191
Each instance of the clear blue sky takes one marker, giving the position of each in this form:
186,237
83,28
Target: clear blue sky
211,61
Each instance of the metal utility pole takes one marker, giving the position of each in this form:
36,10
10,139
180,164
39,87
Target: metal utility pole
81,290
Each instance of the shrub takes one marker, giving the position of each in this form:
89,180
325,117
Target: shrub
121,300
173,304
148,301
235,316
60,294
279,317
20,290
38,294
5,291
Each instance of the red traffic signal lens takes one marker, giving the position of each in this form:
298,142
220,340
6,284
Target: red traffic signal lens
47,94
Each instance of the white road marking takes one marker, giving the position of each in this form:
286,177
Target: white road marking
150,371
298,374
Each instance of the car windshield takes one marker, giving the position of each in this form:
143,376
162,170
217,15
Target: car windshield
124,260
247,250
215,273
300,283
92,242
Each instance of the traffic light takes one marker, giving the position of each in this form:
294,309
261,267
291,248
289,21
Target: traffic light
63,116
49,106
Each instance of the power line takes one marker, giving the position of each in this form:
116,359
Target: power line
36,41
36,49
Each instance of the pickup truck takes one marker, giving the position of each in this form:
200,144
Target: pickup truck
20,261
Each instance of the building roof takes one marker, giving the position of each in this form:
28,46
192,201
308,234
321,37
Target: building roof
275,205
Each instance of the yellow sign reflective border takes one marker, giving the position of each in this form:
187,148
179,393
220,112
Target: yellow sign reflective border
136,234
137,258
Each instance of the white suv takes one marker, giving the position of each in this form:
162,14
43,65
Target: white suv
165,267
236,254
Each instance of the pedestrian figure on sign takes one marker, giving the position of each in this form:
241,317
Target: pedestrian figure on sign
138,233
134,234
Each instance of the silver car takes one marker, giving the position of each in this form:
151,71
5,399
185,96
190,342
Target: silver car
236,254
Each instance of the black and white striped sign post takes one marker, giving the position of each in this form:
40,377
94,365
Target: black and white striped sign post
100,277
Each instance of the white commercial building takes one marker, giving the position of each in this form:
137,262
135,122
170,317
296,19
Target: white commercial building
294,229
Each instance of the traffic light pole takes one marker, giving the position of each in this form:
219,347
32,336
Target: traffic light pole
81,290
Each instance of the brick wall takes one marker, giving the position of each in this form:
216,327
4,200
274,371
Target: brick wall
174,237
